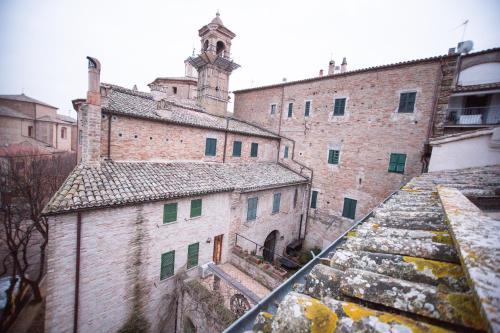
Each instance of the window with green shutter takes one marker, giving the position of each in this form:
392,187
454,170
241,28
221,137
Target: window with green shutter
170,212
285,153
254,149
290,110
333,156
339,107
252,208
276,202
237,148
167,265
195,208
407,102
314,199
211,147
349,210
397,163
193,251
307,108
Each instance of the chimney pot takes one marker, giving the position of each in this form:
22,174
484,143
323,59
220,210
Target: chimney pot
451,51
331,67
343,66
94,90
320,72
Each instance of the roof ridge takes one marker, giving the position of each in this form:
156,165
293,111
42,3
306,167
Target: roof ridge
137,93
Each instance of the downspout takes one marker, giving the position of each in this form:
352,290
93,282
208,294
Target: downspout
77,269
109,136
225,141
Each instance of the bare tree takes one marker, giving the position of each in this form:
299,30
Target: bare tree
27,181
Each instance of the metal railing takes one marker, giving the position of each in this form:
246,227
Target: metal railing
488,115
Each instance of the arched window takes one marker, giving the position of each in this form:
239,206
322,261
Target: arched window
220,47
205,45
63,133
189,326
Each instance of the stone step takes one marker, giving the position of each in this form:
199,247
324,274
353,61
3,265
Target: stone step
403,246
407,268
417,298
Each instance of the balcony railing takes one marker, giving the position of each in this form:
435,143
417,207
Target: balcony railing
489,115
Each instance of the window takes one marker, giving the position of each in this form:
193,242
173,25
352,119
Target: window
290,110
307,108
349,210
276,202
339,107
170,212
295,195
254,149
273,108
285,154
167,265
314,199
63,132
397,163
30,131
333,156
237,148
174,90
195,208
210,147
193,251
252,209
407,102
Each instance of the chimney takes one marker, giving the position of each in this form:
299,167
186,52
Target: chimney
343,66
451,51
90,125
320,73
331,67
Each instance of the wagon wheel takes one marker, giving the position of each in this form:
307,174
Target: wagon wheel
239,304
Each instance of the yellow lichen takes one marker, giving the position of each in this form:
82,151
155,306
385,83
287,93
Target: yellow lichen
352,234
439,269
442,237
356,312
466,308
375,226
266,315
323,319
409,189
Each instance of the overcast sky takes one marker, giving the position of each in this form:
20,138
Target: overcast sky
43,44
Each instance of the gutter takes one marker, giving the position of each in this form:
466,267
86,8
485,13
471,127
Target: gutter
270,302
77,270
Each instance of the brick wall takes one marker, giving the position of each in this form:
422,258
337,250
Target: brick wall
366,135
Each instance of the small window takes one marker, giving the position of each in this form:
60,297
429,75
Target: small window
252,209
237,148
407,102
397,163
170,213
307,108
285,153
254,149
167,265
30,131
195,208
193,251
349,210
339,107
314,199
63,132
333,156
174,90
276,202
290,110
295,195
273,108
210,147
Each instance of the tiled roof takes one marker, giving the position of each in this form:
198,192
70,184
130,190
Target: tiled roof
65,118
120,183
405,268
8,112
477,87
24,98
141,104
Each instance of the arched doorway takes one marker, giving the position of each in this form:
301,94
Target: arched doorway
270,246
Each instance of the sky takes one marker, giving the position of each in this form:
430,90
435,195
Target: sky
44,43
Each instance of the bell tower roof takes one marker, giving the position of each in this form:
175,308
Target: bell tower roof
217,19
217,26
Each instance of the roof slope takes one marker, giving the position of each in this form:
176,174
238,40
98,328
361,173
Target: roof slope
24,98
8,112
399,270
141,104
120,183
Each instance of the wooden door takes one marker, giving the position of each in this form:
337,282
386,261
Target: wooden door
217,249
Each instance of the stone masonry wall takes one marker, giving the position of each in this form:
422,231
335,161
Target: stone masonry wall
370,130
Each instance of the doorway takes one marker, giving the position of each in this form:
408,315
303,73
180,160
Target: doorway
217,256
270,246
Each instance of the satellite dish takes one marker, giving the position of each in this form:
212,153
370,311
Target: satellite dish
465,47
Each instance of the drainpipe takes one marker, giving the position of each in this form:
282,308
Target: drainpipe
77,269
109,136
225,141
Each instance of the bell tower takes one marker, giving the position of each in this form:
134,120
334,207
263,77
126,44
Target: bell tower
214,65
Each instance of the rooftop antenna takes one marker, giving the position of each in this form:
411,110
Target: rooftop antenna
465,28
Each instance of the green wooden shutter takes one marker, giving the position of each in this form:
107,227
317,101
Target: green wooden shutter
285,154
195,208
333,156
254,149
237,148
193,251
276,202
167,265
170,212
252,209
397,163
307,108
407,102
290,110
402,102
349,209
210,147
339,107
314,199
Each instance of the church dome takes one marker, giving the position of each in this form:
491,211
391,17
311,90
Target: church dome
217,19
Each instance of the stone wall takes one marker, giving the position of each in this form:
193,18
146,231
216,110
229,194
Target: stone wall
255,272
